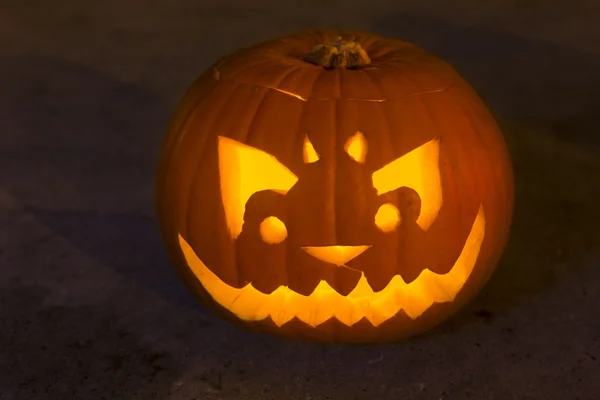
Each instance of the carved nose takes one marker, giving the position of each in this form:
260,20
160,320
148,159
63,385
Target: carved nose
338,255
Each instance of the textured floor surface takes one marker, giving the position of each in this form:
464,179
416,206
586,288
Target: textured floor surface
89,307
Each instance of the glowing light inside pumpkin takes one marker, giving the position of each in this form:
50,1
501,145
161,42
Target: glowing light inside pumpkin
273,230
337,255
325,303
418,170
308,152
356,147
387,217
238,166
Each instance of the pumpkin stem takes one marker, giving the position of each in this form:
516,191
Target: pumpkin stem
339,54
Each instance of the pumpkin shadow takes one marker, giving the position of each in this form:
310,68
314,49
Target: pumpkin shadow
544,97
127,243
72,134
77,144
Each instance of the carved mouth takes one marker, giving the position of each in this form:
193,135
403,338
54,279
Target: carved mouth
337,255
324,303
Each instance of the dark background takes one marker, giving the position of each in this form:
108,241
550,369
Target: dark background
89,307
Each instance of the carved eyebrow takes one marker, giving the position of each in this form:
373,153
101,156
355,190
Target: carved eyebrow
419,170
245,170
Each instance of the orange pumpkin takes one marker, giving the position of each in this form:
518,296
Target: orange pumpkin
334,185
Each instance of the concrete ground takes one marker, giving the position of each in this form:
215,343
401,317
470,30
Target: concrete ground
89,307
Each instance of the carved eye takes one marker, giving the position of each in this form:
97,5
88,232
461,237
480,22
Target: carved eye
273,230
308,152
245,170
387,217
420,171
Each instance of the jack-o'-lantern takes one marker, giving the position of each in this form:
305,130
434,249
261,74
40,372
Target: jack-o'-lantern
334,186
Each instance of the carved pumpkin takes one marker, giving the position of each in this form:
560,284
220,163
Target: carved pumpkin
334,186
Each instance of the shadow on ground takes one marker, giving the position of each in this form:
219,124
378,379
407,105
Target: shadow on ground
74,136
81,143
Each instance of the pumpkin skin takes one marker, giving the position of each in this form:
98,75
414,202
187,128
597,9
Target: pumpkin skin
334,204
